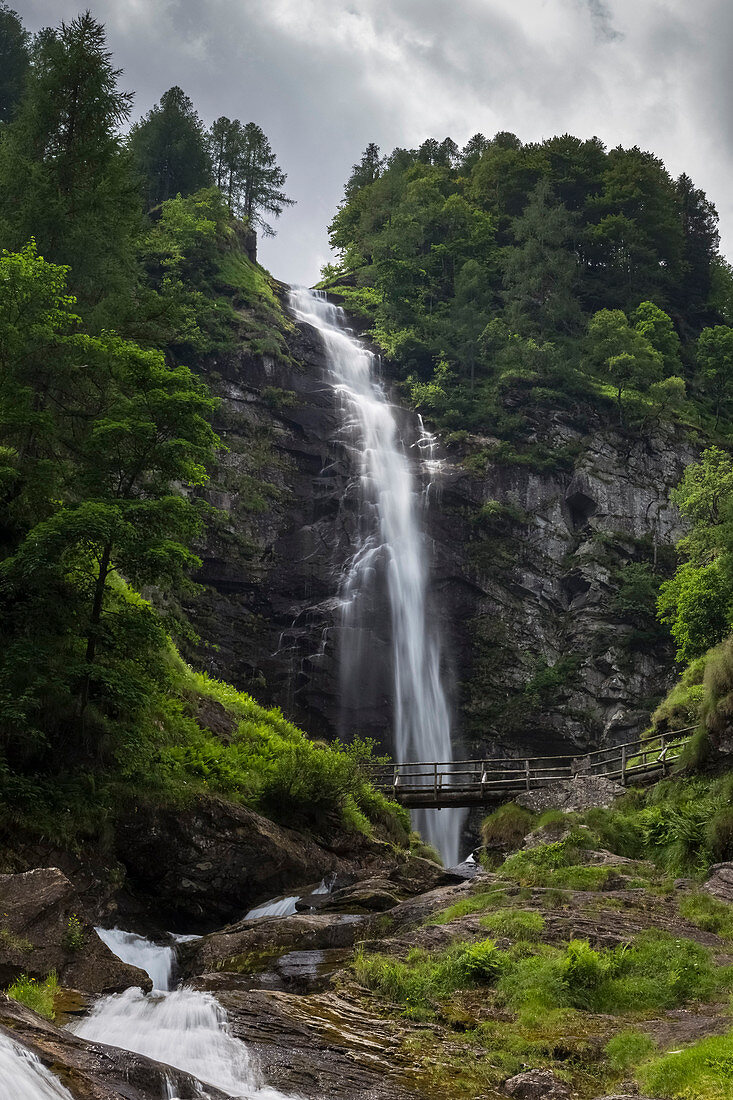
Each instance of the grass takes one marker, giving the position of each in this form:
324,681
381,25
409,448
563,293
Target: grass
626,1049
477,903
653,973
39,996
12,942
514,924
703,1071
708,913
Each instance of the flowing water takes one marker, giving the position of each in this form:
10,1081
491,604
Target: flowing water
22,1077
390,539
180,1027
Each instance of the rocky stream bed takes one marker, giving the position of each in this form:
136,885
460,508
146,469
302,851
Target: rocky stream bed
271,1005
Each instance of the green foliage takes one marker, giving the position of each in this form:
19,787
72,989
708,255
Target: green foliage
65,178
246,170
697,601
14,61
169,148
655,972
476,903
73,938
38,996
507,826
479,274
703,1071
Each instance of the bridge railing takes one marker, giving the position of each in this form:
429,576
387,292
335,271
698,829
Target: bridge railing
499,775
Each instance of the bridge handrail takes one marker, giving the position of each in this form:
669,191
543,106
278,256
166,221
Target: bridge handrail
629,758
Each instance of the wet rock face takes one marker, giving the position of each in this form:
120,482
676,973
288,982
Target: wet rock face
539,658
43,927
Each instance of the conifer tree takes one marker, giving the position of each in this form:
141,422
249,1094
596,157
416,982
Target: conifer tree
66,179
170,149
14,60
246,170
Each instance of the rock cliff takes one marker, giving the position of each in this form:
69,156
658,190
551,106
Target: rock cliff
547,646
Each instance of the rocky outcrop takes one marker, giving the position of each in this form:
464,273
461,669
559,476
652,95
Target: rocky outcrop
720,883
583,792
212,862
43,928
521,551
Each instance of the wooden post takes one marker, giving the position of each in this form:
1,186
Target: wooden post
527,773
435,780
623,765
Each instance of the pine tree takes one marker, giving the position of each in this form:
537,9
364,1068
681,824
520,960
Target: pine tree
170,149
65,178
14,61
246,170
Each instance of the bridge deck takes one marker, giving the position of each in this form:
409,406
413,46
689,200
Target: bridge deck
436,784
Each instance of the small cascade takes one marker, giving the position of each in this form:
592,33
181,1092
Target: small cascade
23,1077
182,1028
157,962
390,553
279,907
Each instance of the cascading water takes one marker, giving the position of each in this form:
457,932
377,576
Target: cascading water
390,538
23,1077
183,1028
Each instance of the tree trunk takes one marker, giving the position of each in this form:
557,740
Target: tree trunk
98,602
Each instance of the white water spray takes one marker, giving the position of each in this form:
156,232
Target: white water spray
23,1077
182,1028
390,538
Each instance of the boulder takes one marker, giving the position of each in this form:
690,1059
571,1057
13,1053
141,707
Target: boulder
43,927
537,1084
93,1071
210,863
251,945
374,895
720,883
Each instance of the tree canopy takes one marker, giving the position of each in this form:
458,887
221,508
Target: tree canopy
170,149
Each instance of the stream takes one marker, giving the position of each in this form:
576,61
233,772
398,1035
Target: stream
182,1027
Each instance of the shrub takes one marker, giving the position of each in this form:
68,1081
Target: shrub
73,938
720,835
36,995
701,1072
507,826
583,973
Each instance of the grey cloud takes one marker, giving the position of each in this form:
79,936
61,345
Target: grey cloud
602,20
325,77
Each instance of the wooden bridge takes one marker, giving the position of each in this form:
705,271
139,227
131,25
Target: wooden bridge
498,779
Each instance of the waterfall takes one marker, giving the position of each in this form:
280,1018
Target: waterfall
183,1028
390,540
23,1077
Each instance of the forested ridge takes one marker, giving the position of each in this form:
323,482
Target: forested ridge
522,290
127,268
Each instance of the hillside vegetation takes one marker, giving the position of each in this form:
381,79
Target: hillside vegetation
113,305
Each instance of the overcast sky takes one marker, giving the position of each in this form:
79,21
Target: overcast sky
325,77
